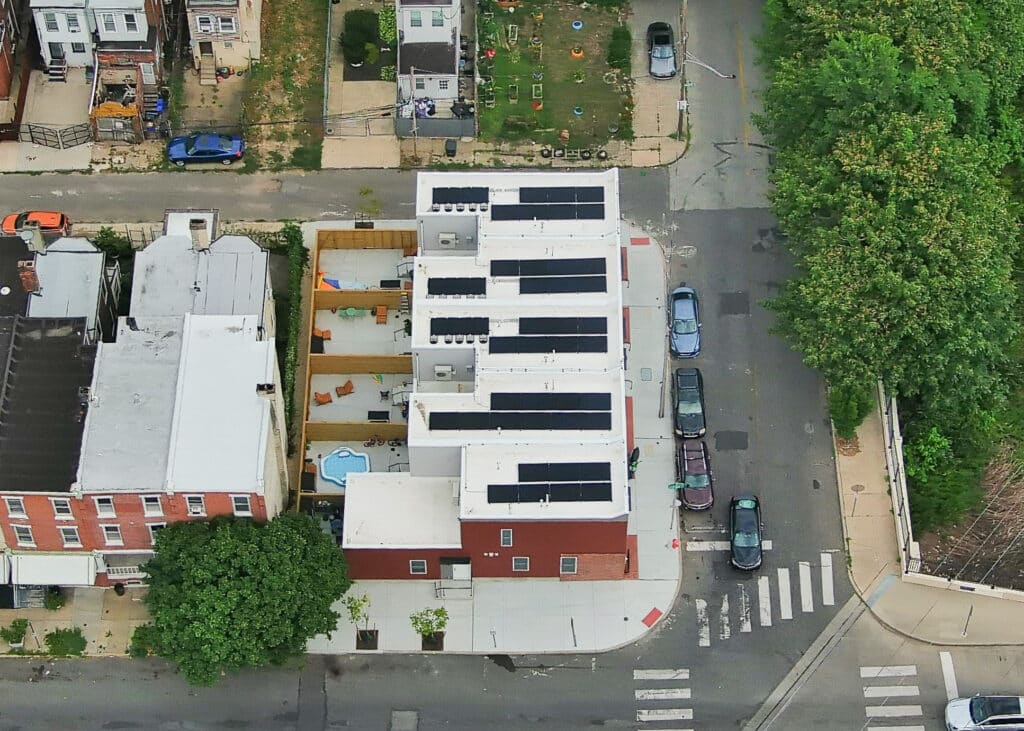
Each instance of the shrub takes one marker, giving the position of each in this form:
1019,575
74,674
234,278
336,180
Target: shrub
619,48
15,634
388,73
54,599
387,25
298,259
145,641
429,621
848,405
360,31
64,642
372,54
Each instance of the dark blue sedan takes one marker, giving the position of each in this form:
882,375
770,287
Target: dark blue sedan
205,147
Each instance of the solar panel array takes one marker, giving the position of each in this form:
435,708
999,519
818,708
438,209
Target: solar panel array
547,267
565,471
556,482
548,212
563,325
561,285
456,285
521,420
548,344
551,401
460,195
459,325
585,194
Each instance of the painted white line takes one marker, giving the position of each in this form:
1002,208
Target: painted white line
828,592
785,600
663,694
723,616
665,714
764,601
890,691
681,674
806,597
948,675
892,711
895,728
703,625
719,545
887,671
744,610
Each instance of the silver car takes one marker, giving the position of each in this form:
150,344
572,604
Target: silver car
982,712
661,49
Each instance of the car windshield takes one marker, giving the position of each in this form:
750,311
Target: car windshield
684,327
745,539
688,407
983,707
662,51
697,481
20,221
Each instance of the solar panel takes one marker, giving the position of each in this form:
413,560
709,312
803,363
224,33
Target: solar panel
565,492
459,325
561,285
521,420
563,325
588,194
547,267
564,471
548,344
457,285
461,195
548,212
506,401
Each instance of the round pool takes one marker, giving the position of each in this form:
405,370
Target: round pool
336,466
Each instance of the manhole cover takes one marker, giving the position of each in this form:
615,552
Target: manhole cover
857,488
646,374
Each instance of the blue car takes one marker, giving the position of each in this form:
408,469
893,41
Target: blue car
684,337
205,147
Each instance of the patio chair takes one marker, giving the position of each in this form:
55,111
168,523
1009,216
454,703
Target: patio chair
323,334
345,389
382,314
322,398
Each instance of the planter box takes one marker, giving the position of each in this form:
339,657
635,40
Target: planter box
366,639
433,642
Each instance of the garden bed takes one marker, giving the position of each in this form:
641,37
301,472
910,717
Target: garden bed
547,82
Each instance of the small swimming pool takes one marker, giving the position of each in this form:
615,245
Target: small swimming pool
336,466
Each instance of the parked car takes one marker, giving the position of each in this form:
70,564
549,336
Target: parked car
661,49
205,147
688,397
51,223
697,492
745,532
684,339
984,712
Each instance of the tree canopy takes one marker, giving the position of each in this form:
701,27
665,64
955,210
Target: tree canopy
232,593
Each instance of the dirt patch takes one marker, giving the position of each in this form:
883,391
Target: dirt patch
848,447
987,547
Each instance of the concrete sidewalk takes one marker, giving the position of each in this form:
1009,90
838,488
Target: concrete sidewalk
929,614
549,615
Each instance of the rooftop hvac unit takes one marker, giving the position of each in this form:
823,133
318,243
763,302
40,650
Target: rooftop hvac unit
447,240
444,372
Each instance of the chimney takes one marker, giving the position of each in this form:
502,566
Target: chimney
33,238
200,237
28,276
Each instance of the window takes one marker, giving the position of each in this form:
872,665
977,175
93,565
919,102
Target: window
78,48
24,535
442,84
418,566
568,565
73,26
204,24
112,535
69,534
130,23
415,19
50,20
436,18
226,24
520,563
420,84
105,507
196,504
151,506
108,22
155,528
15,507
506,537
61,508
240,505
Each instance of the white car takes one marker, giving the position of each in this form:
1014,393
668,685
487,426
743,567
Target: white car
982,712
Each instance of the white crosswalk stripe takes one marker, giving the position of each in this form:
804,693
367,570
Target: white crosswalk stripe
892,711
665,714
806,592
892,687
725,632
744,610
785,599
681,674
890,691
764,601
719,545
666,690
888,671
662,694
828,592
703,624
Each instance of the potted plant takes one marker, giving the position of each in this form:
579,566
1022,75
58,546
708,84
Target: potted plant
359,611
15,634
429,625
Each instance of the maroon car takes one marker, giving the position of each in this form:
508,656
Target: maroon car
696,492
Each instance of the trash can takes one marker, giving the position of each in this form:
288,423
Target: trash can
450,146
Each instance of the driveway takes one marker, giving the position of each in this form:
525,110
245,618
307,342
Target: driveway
656,113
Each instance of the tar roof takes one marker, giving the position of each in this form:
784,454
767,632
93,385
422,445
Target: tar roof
428,59
13,297
47,371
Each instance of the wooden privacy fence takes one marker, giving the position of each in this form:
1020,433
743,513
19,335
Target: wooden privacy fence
353,431
367,239
353,364
326,299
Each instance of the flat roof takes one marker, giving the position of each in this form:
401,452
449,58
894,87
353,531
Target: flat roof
70,277
13,297
398,510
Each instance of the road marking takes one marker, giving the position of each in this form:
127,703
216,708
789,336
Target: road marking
744,610
681,674
948,675
895,728
723,615
703,625
662,694
806,597
828,592
719,545
890,691
892,711
785,600
887,671
665,714
764,601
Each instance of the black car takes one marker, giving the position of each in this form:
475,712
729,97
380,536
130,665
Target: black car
696,492
745,532
688,400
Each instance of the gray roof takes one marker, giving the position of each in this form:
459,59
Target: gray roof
70,279
428,58
172,278
13,297
46,366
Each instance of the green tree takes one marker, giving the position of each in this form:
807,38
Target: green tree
848,405
232,593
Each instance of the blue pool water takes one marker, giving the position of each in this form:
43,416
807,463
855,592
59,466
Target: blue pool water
336,466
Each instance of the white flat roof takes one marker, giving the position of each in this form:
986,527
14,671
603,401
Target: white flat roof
64,569
70,276
397,510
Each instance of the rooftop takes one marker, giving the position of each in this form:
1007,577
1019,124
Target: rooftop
13,297
429,59
42,403
70,277
397,510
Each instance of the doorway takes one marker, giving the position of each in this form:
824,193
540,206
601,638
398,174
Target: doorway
456,569
56,50
205,48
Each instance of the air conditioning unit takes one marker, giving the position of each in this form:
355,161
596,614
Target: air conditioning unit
447,240
444,372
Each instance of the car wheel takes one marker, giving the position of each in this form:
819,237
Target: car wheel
180,163
227,162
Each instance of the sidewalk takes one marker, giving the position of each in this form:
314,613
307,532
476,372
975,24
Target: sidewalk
548,615
929,614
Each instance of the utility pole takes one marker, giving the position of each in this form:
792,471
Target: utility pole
412,79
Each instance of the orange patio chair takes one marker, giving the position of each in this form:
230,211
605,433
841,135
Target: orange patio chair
346,389
382,314
322,398
324,334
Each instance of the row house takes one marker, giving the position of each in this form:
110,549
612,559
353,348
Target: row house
224,34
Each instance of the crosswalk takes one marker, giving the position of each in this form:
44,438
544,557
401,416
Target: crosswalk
889,695
715,616
659,694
